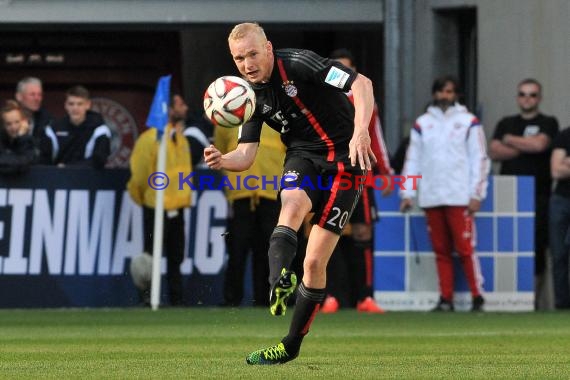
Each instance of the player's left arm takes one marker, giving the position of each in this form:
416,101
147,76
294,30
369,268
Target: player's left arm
360,144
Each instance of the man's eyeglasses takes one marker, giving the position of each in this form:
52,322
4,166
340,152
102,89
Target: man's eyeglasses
528,94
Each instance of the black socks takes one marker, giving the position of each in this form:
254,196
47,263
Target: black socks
282,250
307,307
362,266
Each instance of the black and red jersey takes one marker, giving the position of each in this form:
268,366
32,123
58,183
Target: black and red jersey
305,101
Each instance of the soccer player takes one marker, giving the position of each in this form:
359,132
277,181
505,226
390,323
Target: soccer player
301,95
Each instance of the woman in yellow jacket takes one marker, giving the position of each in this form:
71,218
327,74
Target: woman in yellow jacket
254,210
143,165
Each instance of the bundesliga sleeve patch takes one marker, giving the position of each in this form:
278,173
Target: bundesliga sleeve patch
336,77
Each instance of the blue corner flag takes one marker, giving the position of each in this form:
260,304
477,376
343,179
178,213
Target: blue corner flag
158,115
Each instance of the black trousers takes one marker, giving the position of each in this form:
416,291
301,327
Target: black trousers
173,249
249,231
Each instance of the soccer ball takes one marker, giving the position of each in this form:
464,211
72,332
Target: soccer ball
229,102
141,270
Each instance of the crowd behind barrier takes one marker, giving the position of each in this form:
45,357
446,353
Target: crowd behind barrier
522,143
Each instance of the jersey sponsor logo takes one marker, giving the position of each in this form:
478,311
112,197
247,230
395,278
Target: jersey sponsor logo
336,77
290,88
124,131
531,130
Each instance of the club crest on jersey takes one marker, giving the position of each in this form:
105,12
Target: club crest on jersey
290,88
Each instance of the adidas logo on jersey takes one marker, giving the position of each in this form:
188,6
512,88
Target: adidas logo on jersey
265,109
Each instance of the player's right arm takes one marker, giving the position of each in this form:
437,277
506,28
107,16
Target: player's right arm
237,160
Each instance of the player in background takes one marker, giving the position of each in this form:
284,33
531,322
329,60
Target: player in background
360,244
301,95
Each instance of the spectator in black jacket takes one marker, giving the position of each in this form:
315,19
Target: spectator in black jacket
29,93
81,137
17,150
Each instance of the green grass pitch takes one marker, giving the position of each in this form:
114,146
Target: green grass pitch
212,343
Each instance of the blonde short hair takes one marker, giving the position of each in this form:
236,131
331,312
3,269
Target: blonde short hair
241,30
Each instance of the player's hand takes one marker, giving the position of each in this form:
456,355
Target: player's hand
406,204
474,206
213,157
360,150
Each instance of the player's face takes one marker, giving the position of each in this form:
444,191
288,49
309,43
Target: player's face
15,123
31,97
528,97
253,57
77,107
446,96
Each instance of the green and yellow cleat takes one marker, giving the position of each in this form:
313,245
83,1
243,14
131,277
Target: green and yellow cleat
270,356
281,291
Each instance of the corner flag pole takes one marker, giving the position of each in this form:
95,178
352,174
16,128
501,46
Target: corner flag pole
158,118
158,230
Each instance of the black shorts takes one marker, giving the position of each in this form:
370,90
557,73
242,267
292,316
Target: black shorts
365,210
332,187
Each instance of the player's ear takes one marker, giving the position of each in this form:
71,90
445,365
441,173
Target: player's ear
269,46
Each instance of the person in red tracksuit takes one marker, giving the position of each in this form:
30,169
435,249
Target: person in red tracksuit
448,149
357,248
